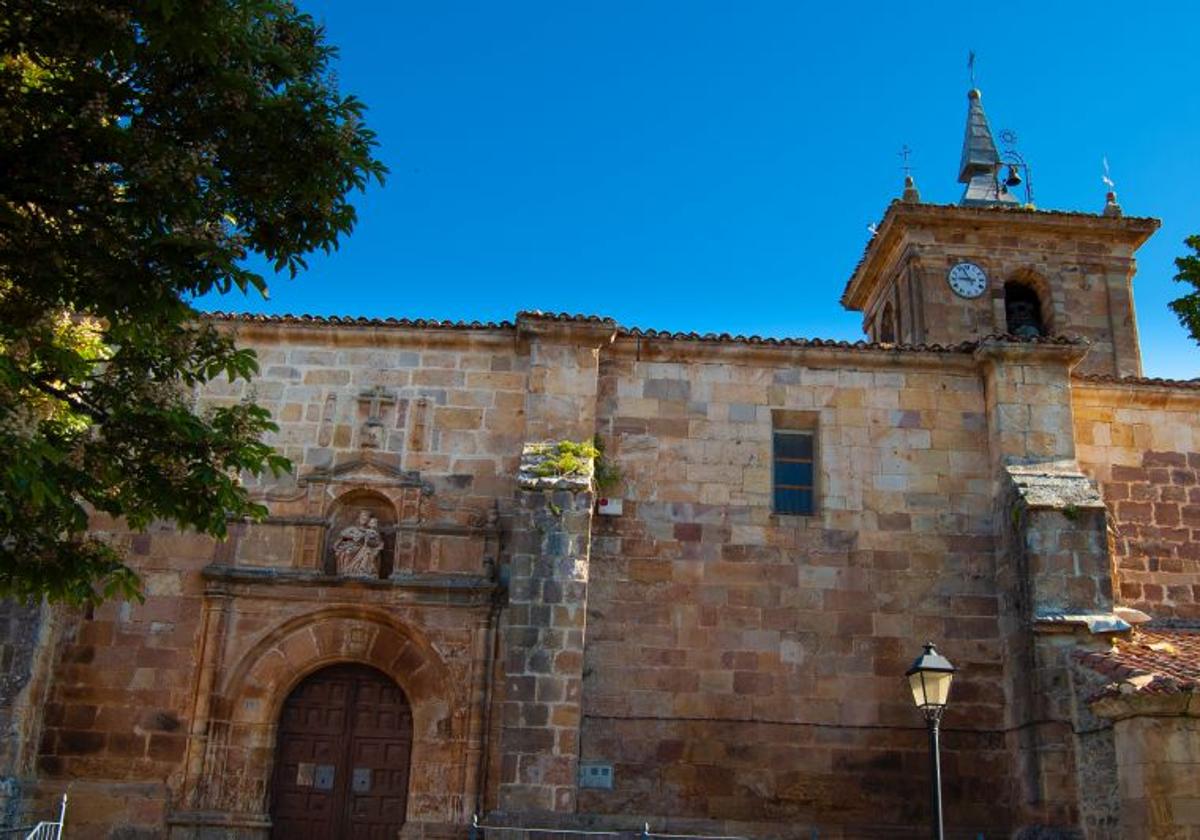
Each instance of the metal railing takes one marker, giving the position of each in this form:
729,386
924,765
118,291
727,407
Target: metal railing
480,831
47,829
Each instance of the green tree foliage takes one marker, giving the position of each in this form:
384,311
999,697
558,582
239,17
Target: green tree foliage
1187,308
147,148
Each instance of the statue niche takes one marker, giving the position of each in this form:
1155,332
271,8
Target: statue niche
361,537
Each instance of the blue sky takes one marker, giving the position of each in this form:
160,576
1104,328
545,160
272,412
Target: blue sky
713,166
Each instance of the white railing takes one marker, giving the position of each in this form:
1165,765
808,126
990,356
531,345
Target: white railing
46,830
482,831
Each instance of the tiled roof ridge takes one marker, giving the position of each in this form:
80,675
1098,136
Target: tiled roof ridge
1108,378
637,332
1022,208
786,341
427,323
844,344
576,318
356,321
1162,660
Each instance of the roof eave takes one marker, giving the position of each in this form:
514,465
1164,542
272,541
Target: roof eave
1134,231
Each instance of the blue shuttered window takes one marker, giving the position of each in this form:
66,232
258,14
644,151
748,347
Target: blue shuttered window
792,454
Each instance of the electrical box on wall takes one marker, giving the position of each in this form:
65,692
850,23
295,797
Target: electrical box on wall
609,507
595,775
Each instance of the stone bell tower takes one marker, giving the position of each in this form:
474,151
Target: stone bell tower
990,265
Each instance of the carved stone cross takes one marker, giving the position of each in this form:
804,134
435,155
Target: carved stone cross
374,399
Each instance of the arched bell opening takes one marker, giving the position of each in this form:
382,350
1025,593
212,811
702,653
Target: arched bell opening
1023,310
887,325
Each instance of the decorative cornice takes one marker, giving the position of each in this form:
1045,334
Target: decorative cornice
1132,230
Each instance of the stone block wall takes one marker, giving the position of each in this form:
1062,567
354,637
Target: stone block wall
162,712
742,667
1142,444
451,403
543,642
29,635
1159,777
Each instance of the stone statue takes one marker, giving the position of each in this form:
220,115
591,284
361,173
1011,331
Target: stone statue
358,546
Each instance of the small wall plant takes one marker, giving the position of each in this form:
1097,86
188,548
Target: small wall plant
577,458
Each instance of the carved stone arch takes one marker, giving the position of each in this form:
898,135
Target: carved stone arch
1027,278
239,755
288,653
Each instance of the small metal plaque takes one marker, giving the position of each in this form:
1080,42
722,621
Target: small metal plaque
360,782
596,775
305,773
323,778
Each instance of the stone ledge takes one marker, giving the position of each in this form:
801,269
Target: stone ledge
1044,489
1102,622
222,818
1067,351
1130,704
468,589
533,455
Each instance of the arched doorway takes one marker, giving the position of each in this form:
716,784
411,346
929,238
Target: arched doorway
342,757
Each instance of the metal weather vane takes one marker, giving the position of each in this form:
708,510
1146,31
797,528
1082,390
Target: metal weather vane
1106,177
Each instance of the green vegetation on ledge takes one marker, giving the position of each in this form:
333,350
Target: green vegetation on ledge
577,458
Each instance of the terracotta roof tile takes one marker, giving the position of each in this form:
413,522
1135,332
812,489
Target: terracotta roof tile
1109,379
1151,661
565,316
727,338
352,321
631,332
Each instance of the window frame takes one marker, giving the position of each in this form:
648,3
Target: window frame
811,433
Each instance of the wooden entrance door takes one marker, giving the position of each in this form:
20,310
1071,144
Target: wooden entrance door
341,762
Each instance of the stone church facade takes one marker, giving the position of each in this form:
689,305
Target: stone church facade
429,628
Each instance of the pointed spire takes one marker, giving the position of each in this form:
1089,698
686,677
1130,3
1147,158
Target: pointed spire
980,163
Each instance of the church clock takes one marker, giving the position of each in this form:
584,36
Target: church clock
967,280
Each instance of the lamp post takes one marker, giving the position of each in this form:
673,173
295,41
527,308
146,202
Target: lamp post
929,678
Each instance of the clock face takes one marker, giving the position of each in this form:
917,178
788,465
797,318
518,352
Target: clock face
967,280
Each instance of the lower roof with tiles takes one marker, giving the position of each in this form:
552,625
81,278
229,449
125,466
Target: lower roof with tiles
1150,661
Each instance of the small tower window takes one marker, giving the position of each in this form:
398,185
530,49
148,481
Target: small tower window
1023,310
887,325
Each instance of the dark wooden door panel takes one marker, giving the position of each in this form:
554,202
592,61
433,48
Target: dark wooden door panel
338,721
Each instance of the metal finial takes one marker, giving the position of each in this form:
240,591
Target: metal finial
971,67
905,153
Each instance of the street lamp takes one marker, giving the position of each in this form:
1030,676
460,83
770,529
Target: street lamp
929,678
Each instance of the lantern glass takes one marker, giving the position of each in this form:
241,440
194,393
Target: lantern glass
930,688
